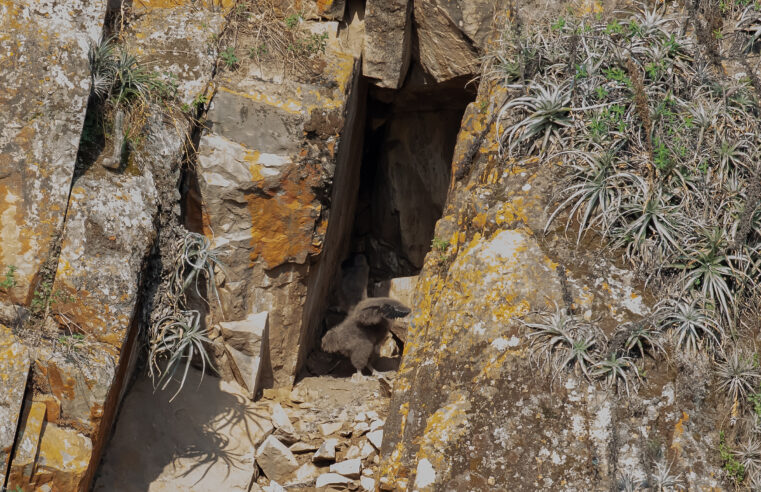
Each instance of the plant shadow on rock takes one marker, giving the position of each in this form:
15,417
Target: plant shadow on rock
202,437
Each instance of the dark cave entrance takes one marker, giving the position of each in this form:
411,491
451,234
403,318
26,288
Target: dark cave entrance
409,141
406,167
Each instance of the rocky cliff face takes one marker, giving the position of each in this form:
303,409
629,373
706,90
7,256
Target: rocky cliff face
217,182
521,370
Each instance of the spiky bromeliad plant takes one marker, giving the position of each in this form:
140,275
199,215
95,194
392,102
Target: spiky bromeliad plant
180,336
658,153
549,113
119,76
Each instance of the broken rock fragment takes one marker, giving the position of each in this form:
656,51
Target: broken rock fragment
349,468
376,438
276,460
331,479
327,451
330,428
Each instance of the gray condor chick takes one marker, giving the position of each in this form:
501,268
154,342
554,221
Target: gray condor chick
366,326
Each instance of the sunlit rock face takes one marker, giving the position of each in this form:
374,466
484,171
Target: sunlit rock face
45,77
276,170
474,406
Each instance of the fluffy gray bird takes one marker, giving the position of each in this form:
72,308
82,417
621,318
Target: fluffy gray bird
364,328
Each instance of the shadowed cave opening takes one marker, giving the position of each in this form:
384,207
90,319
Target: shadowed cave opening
409,141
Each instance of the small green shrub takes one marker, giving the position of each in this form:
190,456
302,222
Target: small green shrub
440,244
292,20
258,51
734,469
74,341
229,57
9,279
121,78
44,297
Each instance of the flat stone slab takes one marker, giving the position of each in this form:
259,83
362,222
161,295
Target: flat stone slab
14,370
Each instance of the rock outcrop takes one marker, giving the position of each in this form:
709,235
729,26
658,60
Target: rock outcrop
273,171
479,404
45,72
242,125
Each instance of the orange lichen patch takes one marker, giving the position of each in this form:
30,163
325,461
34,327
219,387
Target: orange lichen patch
394,463
678,431
283,223
64,456
62,386
442,429
323,5
479,220
52,406
511,212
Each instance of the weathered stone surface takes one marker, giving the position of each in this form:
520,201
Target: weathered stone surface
443,51
305,475
247,343
14,370
302,447
474,18
78,379
202,439
367,483
331,479
63,460
109,231
280,418
45,78
275,150
466,336
367,450
25,455
349,468
330,428
276,461
162,33
388,42
327,451
375,438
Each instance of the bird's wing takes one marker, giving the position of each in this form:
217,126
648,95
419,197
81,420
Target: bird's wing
372,311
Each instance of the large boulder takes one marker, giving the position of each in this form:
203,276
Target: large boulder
442,49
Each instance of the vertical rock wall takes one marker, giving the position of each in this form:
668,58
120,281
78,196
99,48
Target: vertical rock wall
45,77
104,225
